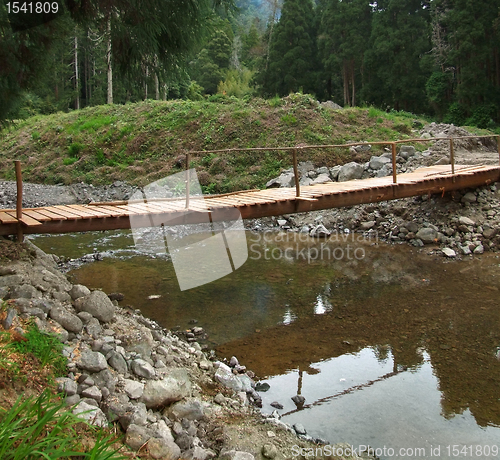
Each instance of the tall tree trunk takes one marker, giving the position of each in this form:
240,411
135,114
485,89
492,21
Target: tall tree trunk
110,69
157,81
77,79
353,98
146,84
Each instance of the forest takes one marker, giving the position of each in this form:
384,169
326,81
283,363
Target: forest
430,57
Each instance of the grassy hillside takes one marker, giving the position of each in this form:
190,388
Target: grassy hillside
143,142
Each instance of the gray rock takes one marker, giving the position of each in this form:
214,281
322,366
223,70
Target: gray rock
489,233
299,429
184,441
443,161
92,392
269,451
298,399
142,369
236,383
284,180
407,151
9,318
136,436
66,319
377,163
93,327
92,361
334,172
173,387
139,340
330,105
10,280
479,249
466,221
117,362
281,222
72,400
465,250
97,304
78,290
350,171
412,227
93,415
190,410
427,235
320,231
52,327
159,448
24,291
66,385
469,197
321,179
134,414
105,379
367,225
448,252
61,296
133,389
384,171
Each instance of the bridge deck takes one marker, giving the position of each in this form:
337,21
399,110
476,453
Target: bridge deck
251,204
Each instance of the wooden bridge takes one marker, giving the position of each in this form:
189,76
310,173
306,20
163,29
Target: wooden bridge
250,204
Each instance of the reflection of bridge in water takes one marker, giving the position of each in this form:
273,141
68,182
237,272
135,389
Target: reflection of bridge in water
250,204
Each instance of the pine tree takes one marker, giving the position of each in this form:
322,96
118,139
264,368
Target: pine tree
467,53
292,51
400,37
343,40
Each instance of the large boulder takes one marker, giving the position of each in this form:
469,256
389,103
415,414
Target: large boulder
350,171
66,319
173,387
91,361
97,303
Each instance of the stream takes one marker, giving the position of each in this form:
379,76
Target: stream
392,347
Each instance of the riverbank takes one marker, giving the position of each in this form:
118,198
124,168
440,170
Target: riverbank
168,397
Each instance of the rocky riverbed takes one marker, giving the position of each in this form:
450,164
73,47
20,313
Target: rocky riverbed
169,397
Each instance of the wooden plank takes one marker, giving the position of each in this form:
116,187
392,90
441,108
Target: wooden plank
75,212
6,218
26,220
92,212
29,221
51,215
112,210
36,215
62,212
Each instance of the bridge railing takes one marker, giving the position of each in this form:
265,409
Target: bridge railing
294,150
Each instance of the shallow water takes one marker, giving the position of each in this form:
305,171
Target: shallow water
390,347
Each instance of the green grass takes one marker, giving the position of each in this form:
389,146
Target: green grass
141,142
45,347
43,428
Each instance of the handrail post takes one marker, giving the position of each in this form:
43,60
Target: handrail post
452,158
394,173
498,145
188,188
296,173
19,201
